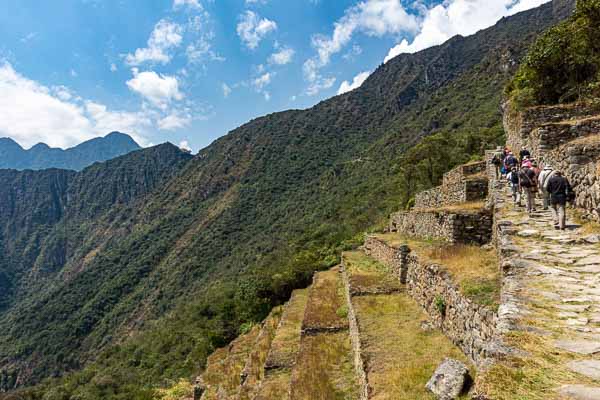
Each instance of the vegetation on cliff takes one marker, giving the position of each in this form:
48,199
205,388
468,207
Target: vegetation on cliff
563,65
151,287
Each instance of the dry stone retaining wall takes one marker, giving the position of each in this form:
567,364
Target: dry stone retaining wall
452,227
470,326
458,186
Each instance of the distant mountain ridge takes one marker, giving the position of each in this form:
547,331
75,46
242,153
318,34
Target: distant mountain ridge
42,156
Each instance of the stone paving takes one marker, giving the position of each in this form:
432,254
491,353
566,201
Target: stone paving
552,288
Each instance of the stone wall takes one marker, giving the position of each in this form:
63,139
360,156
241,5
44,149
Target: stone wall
458,186
470,326
580,162
567,138
539,129
453,227
359,362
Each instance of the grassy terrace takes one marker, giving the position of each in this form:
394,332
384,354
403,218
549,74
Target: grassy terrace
276,385
474,269
401,357
471,207
256,359
325,368
286,343
326,307
367,275
225,365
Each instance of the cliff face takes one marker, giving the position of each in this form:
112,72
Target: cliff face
214,242
41,156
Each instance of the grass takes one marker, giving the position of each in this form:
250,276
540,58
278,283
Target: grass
367,275
533,377
325,368
222,375
325,298
256,360
401,357
286,342
471,207
182,390
587,227
276,385
474,269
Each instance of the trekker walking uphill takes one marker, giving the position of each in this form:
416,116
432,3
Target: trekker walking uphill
524,154
560,192
527,183
513,180
498,161
545,176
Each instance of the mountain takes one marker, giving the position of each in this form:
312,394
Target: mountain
41,156
135,288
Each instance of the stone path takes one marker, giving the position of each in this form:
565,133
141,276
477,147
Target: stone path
552,288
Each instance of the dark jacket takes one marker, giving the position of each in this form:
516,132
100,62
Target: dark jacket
558,187
524,153
527,178
511,161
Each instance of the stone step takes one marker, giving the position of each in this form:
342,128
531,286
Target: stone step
324,367
222,377
397,353
283,351
254,372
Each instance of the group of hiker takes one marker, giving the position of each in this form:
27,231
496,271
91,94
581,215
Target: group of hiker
527,180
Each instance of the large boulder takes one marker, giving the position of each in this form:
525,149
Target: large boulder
449,379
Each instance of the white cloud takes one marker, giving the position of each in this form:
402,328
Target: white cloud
226,90
320,84
177,4
262,81
356,82
31,113
173,121
371,17
252,28
113,67
459,17
282,56
160,90
185,145
165,36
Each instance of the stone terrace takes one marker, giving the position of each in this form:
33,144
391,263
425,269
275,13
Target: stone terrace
465,183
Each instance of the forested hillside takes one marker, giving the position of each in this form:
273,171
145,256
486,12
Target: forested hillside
154,277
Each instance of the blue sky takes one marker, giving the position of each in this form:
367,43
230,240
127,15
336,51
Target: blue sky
188,71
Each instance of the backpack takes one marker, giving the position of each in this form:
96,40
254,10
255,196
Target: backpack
525,179
496,160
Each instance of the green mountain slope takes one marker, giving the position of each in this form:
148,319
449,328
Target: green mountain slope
41,156
148,290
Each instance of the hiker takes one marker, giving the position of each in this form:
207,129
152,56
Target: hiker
510,161
560,192
497,161
513,180
524,153
543,180
527,185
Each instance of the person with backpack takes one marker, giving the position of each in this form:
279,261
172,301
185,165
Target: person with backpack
524,154
510,162
527,185
560,192
543,180
498,164
513,180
